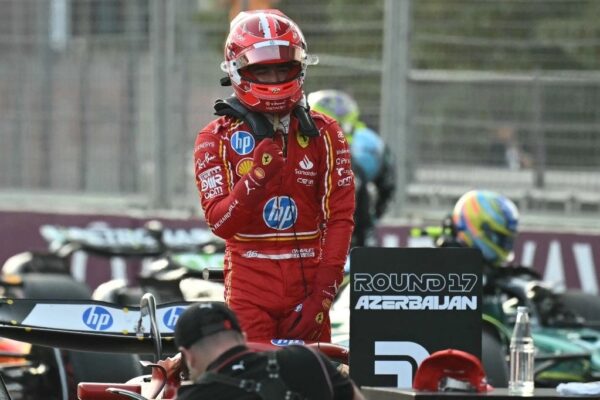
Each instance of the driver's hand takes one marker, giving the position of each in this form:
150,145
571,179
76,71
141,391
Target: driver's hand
172,364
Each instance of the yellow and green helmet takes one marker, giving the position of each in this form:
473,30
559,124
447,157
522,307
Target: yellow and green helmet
338,105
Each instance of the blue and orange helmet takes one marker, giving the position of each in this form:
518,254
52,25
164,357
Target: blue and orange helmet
488,221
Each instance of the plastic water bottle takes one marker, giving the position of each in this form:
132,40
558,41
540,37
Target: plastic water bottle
522,351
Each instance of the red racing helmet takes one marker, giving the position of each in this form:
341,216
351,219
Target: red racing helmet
266,37
451,370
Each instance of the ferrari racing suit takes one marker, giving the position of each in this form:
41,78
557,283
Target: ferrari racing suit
286,241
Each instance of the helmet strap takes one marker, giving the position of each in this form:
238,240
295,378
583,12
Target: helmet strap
259,124
307,124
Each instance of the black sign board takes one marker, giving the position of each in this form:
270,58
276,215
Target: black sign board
406,303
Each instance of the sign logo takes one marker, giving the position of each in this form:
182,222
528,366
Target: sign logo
172,316
242,142
280,212
211,182
202,163
402,369
305,163
302,140
286,342
346,181
243,166
97,318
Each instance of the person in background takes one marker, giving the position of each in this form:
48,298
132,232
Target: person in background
221,366
275,181
506,150
488,221
372,162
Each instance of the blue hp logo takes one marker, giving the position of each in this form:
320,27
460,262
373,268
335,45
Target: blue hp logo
172,316
286,342
280,212
97,318
242,142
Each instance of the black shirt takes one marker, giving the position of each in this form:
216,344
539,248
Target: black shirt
307,372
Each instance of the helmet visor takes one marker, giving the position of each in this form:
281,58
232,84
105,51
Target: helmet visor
272,73
270,54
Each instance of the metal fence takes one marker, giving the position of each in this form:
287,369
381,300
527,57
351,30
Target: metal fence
100,100
517,111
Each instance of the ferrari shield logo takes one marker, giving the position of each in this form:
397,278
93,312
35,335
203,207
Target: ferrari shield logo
266,159
302,140
319,318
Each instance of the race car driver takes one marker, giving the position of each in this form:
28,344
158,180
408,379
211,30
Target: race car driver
372,162
275,181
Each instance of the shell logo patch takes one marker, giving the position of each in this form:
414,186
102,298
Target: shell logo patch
302,140
243,166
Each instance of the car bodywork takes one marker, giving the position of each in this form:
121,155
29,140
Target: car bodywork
105,327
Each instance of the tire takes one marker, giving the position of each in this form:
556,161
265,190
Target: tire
493,358
585,304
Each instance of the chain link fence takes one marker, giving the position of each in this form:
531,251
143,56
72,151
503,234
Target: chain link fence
505,97
100,100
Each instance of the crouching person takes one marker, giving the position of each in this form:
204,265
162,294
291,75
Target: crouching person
221,366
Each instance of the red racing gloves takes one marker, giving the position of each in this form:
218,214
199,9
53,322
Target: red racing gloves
306,320
227,215
268,162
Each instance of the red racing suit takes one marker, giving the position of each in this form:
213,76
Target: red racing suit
291,241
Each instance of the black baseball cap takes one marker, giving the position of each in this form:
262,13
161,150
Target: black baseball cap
203,319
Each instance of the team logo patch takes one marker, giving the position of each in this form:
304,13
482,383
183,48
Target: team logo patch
319,318
286,342
302,140
242,142
97,318
172,316
305,163
266,159
259,172
280,212
243,166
